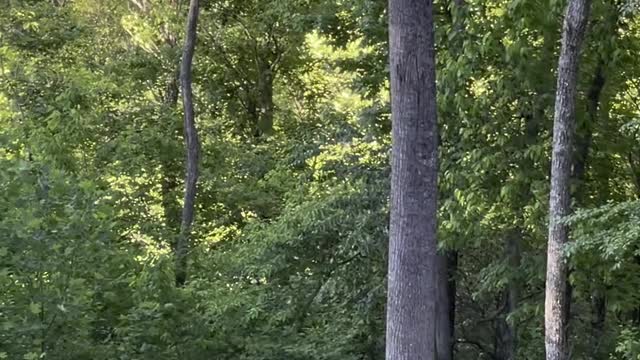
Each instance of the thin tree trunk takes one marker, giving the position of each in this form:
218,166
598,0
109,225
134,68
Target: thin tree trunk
506,334
584,135
447,262
412,244
265,88
557,296
599,313
443,330
447,266
170,170
192,145
598,297
170,167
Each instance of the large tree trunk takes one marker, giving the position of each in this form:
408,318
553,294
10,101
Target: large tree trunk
412,245
557,297
192,145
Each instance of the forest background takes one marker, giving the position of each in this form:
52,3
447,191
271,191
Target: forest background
286,257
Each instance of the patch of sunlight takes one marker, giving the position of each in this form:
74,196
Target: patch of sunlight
537,41
149,95
479,87
151,248
497,12
349,102
507,41
5,108
319,48
142,33
221,233
132,187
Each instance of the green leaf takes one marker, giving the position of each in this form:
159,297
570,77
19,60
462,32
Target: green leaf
30,356
35,308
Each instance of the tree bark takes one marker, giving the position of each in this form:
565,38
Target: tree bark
192,145
557,296
412,244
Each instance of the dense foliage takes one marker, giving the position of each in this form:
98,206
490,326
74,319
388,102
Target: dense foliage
288,259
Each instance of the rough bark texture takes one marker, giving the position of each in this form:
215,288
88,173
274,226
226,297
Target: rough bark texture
192,145
412,245
557,298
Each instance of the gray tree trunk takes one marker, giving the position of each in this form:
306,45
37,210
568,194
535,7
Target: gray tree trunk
412,244
557,298
192,145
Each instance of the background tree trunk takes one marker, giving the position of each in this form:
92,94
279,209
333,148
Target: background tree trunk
412,245
171,167
448,260
506,332
192,145
265,88
557,297
583,146
447,265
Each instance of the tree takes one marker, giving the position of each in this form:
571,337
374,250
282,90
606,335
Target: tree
192,144
414,166
557,293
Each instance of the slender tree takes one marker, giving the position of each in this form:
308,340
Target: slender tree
171,167
506,333
447,261
445,304
558,298
192,144
412,245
